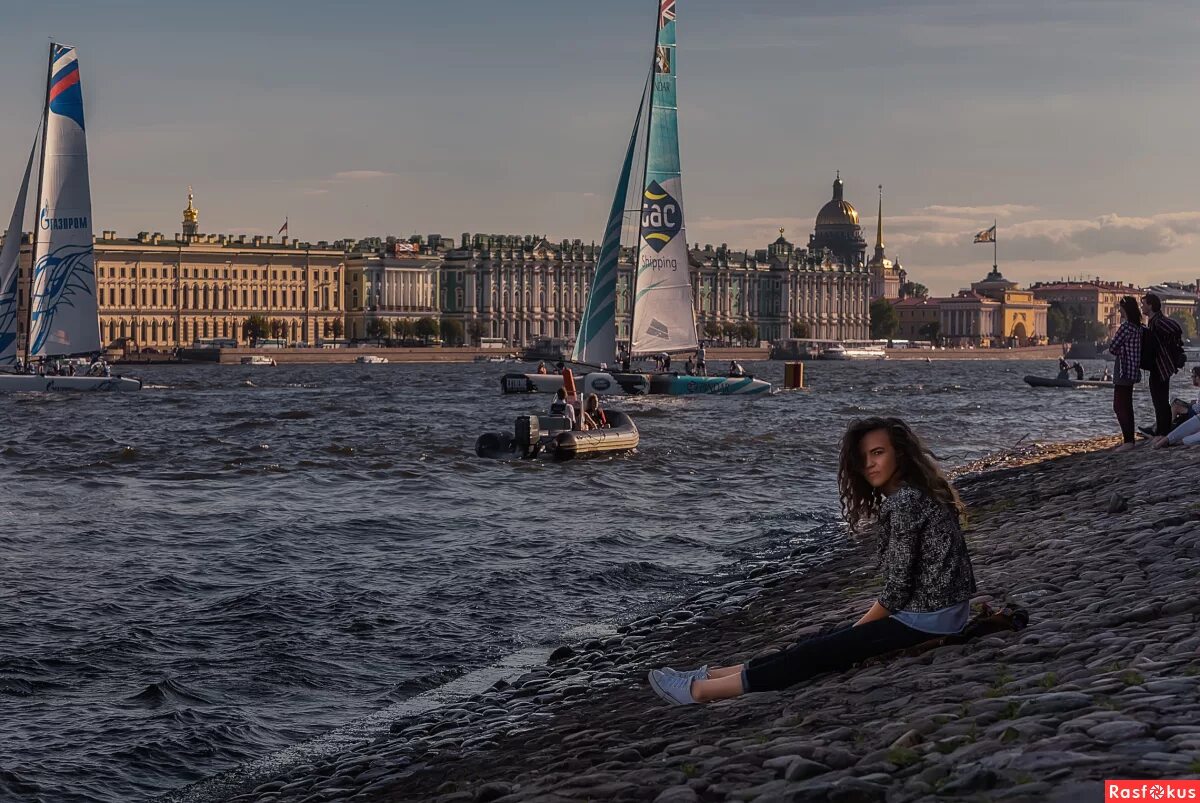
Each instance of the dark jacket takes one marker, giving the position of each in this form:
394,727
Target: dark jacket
1164,337
922,554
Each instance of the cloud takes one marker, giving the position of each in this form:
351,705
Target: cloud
314,191
997,211
361,175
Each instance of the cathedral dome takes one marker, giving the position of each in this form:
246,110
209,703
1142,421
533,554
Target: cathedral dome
837,212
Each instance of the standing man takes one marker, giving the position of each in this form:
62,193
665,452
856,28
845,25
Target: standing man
1162,347
701,367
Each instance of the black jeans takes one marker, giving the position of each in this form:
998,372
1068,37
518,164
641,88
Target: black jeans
1160,394
1123,407
830,652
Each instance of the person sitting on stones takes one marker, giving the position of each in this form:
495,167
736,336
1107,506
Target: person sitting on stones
889,481
1187,430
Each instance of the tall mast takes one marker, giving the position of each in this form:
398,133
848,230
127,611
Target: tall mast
38,203
637,244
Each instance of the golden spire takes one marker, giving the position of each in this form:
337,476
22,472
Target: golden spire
879,230
191,214
781,231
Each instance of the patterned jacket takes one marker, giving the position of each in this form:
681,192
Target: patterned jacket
1126,346
1166,333
922,554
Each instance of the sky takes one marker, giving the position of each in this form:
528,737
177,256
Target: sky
1071,123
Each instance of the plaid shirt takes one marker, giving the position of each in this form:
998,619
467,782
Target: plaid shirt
1166,332
1126,345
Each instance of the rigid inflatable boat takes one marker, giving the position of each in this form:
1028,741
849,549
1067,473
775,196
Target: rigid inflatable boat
550,436
1048,382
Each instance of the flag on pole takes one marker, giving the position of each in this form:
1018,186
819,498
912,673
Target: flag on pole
284,229
987,235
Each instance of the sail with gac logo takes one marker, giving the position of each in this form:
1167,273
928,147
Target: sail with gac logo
60,298
663,317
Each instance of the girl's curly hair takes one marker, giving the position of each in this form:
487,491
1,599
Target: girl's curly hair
916,464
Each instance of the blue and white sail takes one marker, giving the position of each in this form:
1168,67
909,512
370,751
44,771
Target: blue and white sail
10,257
663,317
64,316
596,342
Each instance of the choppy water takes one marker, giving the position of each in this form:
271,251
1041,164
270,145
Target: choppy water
208,571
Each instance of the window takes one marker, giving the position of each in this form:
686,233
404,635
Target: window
122,296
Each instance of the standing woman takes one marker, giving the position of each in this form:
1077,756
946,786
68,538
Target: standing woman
1126,346
888,480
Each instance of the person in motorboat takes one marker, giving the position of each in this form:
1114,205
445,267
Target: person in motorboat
1078,369
560,406
1064,368
735,369
558,367
593,415
541,369
1106,375
891,483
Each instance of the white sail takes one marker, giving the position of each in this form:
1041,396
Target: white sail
10,256
663,319
64,316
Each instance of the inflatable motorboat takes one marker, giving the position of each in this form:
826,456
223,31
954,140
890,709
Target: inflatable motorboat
551,436
1048,382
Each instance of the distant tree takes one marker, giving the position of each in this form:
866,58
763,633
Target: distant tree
914,290
427,328
931,331
1058,325
748,333
405,329
713,330
884,321
1188,321
379,328
730,330
338,328
452,332
801,329
278,327
477,331
255,327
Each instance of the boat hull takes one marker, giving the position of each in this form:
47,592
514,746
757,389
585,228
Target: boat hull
1048,382
639,384
559,444
677,385
31,383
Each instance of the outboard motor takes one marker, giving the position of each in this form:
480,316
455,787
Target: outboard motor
496,445
527,435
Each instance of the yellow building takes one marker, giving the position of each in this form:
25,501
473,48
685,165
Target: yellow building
994,312
161,293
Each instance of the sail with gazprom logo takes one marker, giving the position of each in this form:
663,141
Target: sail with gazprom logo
62,223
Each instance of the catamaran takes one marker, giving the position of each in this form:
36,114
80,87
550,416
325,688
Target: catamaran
664,320
63,313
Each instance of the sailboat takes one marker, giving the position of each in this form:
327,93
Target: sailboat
664,320
62,307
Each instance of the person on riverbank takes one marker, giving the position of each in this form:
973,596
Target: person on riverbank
1126,346
1162,346
1187,431
889,482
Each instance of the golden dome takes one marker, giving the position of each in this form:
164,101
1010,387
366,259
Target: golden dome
191,214
837,212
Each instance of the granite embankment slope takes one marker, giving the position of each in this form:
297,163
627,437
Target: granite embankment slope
1103,550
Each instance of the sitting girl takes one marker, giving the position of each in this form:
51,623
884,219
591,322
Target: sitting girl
1187,431
888,478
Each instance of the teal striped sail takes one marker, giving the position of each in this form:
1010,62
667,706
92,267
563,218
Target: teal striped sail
10,256
663,317
596,342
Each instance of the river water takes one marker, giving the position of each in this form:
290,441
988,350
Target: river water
238,559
